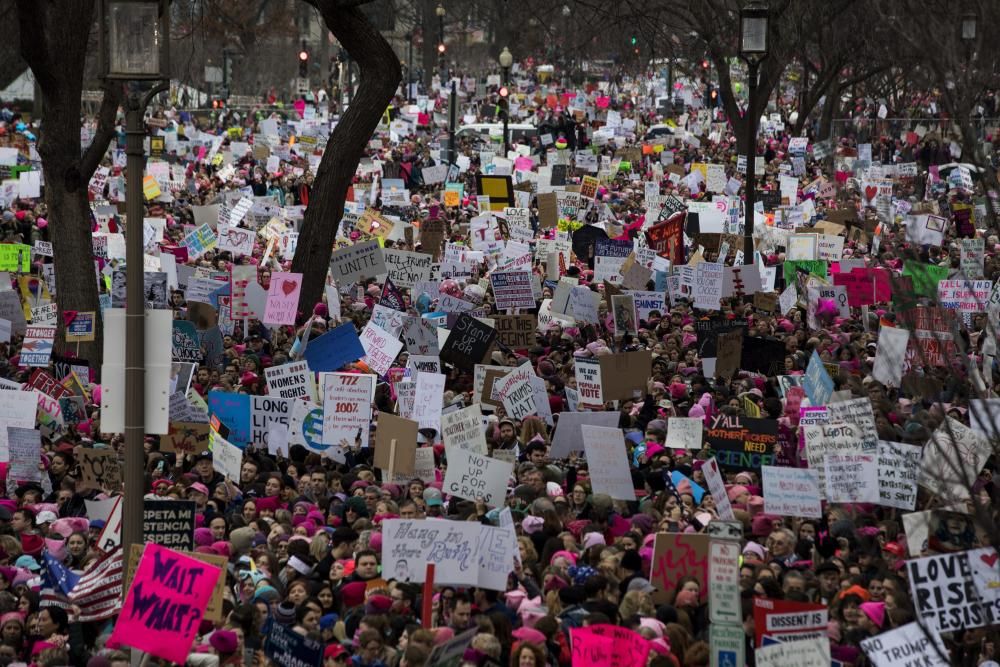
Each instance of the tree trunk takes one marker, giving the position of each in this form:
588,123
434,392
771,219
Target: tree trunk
379,78
54,41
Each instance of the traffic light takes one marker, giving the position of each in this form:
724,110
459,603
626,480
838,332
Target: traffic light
303,63
704,64
504,92
634,40
441,47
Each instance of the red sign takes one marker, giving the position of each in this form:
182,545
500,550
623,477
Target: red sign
667,239
45,383
781,618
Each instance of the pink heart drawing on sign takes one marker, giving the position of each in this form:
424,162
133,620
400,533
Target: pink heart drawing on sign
870,192
289,286
990,559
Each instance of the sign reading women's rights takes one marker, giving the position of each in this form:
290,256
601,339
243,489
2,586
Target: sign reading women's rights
477,477
165,604
743,443
408,545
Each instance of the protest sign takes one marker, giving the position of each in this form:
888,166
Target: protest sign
624,373
408,545
813,652
395,444
588,383
965,296
628,648
911,643
463,429
787,620
515,393
477,477
590,649
607,460
287,648
851,477
515,331
568,436
856,411
497,550
818,383
347,401
169,523
468,342
15,257
37,346
334,349
380,348
840,438
419,335
186,437
357,261
24,452
100,469
675,556
233,410
236,240
291,380
972,252
944,596
898,466
791,492
165,604
717,487
708,283
226,457
952,459
264,411
283,298
684,432
405,268
890,355
648,302
513,289
742,443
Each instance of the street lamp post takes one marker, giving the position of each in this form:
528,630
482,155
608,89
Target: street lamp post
409,67
753,49
506,60
135,48
441,47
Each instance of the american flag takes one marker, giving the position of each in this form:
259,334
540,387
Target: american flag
98,593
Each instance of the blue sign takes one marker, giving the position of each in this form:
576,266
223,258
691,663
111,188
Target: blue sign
233,410
333,349
817,382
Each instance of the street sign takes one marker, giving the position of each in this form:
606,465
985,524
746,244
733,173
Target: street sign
724,576
728,645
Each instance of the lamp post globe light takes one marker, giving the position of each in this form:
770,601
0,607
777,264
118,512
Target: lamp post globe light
134,38
505,60
754,20
969,25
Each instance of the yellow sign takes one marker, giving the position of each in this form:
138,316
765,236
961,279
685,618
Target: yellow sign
451,198
372,223
150,188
